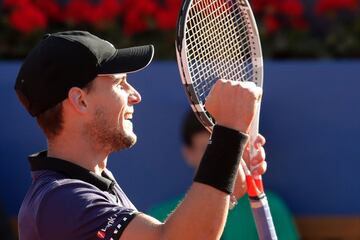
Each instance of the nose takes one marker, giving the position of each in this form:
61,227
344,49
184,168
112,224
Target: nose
134,96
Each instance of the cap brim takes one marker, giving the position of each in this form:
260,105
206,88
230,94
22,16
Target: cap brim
128,60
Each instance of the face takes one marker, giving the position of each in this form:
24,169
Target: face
113,99
194,153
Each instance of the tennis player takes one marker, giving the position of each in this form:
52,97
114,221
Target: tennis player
75,85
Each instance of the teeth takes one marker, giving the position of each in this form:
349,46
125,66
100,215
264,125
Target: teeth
128,116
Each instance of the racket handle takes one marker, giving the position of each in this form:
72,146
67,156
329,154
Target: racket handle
263,219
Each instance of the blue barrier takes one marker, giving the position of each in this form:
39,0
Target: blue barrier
309,116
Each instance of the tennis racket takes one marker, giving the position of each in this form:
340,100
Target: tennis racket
218,39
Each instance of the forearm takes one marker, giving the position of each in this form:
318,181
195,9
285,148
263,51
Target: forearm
201,215
203,212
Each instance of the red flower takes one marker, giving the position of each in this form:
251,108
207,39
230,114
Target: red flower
51,8
109,9
166,16
294,11
256,5
300,24
133,24
272,24
165,19
139,15
15,3
27,18
292,8
79,11
280,13
265,6
325,6
85,11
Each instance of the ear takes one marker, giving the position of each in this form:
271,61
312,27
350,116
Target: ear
78,99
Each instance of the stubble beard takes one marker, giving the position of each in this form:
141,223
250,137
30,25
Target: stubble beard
107,137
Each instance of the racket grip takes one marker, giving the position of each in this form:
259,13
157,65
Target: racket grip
263,219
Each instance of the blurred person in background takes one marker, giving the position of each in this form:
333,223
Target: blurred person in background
240,223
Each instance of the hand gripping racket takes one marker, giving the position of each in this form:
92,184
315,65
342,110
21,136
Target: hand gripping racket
219,39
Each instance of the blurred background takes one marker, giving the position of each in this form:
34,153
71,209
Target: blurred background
310,114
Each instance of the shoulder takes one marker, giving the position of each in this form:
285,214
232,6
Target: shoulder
73,209
51,188
61,195
52,194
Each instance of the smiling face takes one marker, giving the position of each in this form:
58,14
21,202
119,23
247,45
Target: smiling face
113,98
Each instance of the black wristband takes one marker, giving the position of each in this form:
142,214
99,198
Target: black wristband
220,163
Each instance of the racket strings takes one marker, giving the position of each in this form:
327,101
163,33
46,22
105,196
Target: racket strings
218,44
216,28
206,52
219,65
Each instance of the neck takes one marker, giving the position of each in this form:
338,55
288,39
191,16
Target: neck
76,150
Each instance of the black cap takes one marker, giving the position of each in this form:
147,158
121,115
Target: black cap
72,59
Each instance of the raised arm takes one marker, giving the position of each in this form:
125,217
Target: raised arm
203,212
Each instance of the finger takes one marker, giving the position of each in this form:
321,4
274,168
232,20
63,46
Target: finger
247,84
258,158
218,85
252,86
260,154
259,141
233,83
223,81
257,93
260,169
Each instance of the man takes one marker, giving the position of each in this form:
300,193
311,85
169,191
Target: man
240,224
75,84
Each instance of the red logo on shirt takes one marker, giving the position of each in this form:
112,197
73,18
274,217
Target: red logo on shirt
100,234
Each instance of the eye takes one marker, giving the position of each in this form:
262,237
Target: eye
119,85
119,82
